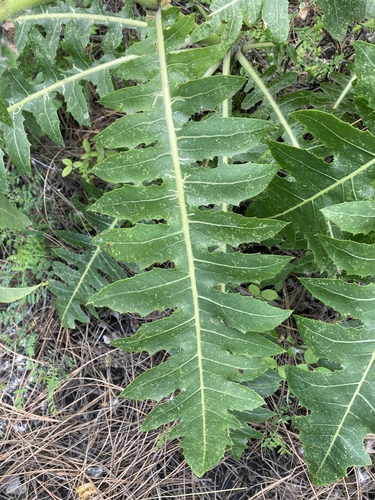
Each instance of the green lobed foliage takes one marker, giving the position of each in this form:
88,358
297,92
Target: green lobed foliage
183,164
214,337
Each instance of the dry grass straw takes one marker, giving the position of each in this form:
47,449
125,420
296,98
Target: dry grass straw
94,437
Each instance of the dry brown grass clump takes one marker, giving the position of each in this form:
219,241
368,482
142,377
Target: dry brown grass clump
88,437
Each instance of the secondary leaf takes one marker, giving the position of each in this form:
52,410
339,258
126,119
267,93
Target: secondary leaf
17,143
81,274
312,184
341,402
173,202
11,217
43,35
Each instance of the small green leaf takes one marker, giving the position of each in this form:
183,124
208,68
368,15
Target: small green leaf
269,294
67,170
86,146
292,351
254,290
310,357
4,115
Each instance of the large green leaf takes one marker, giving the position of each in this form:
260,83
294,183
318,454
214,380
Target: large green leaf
276,19
312,184
341,403
173,198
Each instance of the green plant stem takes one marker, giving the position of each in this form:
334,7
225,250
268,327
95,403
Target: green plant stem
258,81
46,90
90,17
212,69
344,92
201,11
256,45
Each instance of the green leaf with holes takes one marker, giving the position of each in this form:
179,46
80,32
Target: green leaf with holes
311,185
341,402
172,201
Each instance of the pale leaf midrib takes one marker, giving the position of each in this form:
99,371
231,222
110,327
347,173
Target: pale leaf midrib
15,107
341,181
182,205
221,9
99,18
83,276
